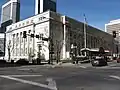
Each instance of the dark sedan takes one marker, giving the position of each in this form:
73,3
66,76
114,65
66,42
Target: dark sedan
99,61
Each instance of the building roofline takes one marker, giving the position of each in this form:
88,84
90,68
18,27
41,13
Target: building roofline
2,35
113,22
61,15
7,3
27,19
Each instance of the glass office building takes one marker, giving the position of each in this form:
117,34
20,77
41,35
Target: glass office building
11,11
44,5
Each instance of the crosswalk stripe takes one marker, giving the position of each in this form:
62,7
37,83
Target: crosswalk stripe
115,77
24,75
29,82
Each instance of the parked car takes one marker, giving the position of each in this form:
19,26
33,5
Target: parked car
99,61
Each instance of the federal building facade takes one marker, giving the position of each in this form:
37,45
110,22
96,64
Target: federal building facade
26,39
64,32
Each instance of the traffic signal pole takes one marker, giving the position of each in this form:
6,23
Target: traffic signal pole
114,36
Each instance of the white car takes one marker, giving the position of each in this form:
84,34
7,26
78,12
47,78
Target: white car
1,57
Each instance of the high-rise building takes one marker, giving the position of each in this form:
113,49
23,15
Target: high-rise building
44,5
11,11
10,14
113,25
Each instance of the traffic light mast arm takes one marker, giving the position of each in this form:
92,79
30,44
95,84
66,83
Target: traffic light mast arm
37,36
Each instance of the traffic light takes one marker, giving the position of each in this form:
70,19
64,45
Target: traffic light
41,36
45,39
24,34
114,34
37,36
32,35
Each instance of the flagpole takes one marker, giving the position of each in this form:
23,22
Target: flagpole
85,43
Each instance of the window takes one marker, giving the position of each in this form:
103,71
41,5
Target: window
29,31
25,50
23,24
13,43
18,37
91,42
29,34
21,51
26,39
21,36
17,52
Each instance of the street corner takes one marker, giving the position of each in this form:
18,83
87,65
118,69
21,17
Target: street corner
24,81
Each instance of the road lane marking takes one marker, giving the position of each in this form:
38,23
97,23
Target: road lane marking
24,75
115,77
29,82
107,67
51,83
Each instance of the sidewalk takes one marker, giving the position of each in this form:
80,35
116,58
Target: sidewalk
61,65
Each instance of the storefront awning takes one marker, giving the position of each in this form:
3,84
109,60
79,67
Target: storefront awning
93,50
85,49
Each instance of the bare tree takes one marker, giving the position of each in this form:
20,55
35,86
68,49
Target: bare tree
59,45
9,50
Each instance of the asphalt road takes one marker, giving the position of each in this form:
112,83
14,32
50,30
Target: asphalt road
60,78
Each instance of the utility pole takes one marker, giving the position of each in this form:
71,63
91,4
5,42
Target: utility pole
85,23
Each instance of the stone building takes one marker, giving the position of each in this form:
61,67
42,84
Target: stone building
63,31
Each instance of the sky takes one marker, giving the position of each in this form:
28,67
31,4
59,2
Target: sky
98,12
